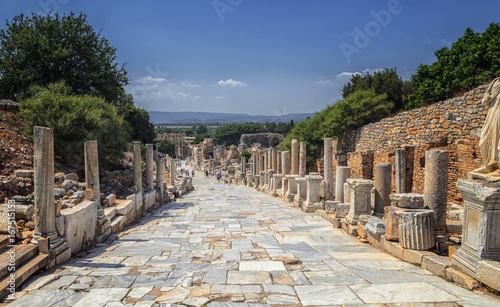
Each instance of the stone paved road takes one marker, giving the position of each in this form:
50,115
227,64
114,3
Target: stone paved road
226,245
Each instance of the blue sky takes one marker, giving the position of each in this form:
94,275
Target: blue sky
263,56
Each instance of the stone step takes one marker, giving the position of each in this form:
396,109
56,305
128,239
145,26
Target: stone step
124,206
23,272
118,223
23,252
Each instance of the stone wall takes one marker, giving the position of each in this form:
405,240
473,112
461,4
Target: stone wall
453,125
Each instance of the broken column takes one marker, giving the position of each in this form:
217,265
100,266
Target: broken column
302,160
274,160
172,172
436,186
285,163
45,209
149,167
244,165
416,229
155,153
160,187
92,174
343,173
383,185
137,167
328,168
278,162
361,195
295,157
400,170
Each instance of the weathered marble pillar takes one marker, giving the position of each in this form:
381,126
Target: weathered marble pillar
302,160
343,173
361,195
244,165
254,163
92,174
301,195
400,170
328,168
274,160
285,163
137,167
45,209
383,186
262,160
416,229
150,167
160,187
436,186
313,193
267,160
172,172
278,162
295,157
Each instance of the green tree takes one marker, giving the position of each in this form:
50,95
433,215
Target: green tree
166,147
245,154
39,50
472,60
202,129
198,139
75,120
141,129
230,134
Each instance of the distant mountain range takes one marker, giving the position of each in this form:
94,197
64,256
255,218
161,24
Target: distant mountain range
207,117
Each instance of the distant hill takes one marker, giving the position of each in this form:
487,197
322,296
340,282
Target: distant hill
207,117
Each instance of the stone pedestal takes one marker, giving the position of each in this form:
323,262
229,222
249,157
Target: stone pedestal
436,186
301,195
262,180
313,193
390,215
481,229
269,185
302,160
328,172
407,200
292,187
137,167
45,209
416,229
150,167
343,173
285,163
400,170
361,195
284,186
295,157
256,182
347,194
92,174
277,184
383,186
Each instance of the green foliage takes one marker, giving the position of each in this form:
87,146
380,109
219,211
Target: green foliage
472,60
358,109
166,147
245,154
198,139
39,50
202,129
141,129
230,134
75,120
386,82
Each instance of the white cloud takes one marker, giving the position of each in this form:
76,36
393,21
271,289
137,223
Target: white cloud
324,83
222,97
232,83
189,84
160,89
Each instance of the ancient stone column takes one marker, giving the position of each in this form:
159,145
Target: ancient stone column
45,209
285,163
92,174
274,160
172,172
328,166
266,160
400,170
416,229
295,157
278,162
256,163
244,165
150,167
343,173
302,160
383,185
361,195
137,167
160,170
436,186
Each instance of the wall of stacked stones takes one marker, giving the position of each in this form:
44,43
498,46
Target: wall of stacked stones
453,125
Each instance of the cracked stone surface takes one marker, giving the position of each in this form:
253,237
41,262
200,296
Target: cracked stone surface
225,246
